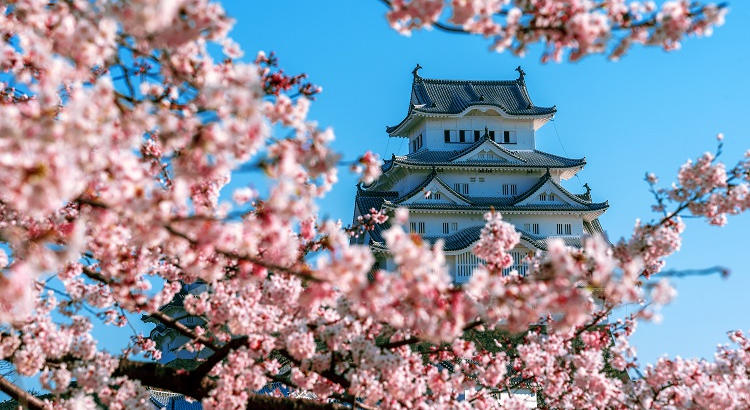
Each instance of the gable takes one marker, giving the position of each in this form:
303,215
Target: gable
549,194
488,151
435,192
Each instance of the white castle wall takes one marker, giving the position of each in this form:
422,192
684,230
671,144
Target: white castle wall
432,130
547,223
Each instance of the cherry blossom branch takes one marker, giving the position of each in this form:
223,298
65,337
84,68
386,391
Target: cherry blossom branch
720,270
256,261
23,397
414,340
580,28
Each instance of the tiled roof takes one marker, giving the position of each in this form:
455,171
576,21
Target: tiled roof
433,96
373,199
433,176
465,237
575,198
527,158
593,227
366,200
172,401
509,208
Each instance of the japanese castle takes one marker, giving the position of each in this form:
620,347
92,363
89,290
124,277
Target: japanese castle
472,148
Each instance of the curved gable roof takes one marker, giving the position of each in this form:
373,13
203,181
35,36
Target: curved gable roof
435,96
526,158
466,237
432,177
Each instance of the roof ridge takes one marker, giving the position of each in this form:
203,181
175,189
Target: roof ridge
559,156
453,81
544,178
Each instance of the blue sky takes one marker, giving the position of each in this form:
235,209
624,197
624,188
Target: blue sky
648,112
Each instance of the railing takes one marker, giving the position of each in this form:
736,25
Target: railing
518,265
465,264
467,261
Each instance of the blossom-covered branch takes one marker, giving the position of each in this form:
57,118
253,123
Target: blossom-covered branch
576,28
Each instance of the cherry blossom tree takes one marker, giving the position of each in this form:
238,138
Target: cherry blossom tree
118,130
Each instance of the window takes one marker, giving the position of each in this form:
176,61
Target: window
535,228
412,227
454,226
447,135
476,135
564,229
436,195
465,189
510,189
506,137
481,179
492,135
552,197
543,196
457,187
445,227
461,136
420,227
473,179
416,143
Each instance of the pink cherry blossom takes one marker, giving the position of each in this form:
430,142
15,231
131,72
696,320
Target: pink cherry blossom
118,134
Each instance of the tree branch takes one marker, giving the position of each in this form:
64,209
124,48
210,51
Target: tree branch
23,397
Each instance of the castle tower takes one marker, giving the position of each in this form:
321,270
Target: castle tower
472,148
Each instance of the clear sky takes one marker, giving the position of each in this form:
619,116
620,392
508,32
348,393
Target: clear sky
648,112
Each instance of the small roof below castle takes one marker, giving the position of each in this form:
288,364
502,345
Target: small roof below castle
435,96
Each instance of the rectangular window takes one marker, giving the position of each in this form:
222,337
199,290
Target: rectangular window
412,227
535,229
466,189
454,226
492,135
510,189
413,145
527,227
476,135
445,227
481,179
421,227
506,137
436,195
552,197
473,179
543,197
457,188
564,229
462,136
447,135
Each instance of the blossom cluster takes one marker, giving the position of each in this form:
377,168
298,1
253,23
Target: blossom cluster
576,28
